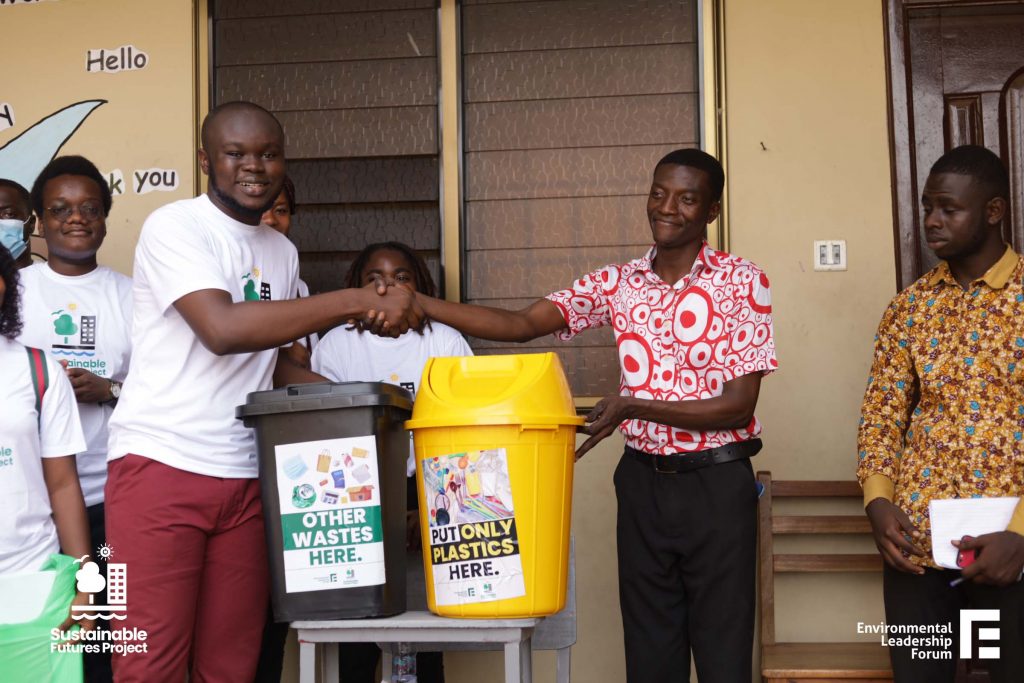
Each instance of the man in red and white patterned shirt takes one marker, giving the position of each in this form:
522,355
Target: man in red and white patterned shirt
693,329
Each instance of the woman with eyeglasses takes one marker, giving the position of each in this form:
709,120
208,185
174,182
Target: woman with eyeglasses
80,314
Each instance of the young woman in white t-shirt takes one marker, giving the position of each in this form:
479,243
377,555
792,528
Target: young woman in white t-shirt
347,354
41,502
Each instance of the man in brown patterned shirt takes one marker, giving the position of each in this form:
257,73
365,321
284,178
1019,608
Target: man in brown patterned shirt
943,417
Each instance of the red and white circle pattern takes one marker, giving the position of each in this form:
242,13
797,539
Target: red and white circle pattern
680,341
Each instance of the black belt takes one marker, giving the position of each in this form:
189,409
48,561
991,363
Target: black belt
686,462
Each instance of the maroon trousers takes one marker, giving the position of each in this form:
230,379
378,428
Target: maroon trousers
197,578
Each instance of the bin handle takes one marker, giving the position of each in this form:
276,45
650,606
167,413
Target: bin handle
542,428
309,389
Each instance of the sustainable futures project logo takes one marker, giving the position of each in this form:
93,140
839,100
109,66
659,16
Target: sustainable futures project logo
120,641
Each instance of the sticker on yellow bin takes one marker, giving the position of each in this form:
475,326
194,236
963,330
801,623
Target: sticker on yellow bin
474,545
332,532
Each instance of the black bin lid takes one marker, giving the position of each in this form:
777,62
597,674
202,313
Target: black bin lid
300,398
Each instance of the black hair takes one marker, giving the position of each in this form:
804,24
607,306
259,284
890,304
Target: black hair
423,281
227,107
10,311
981,164
69,165
289,194
702,161
26,198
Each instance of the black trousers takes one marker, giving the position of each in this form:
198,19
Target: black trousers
687,549
926,599
97,664
271,661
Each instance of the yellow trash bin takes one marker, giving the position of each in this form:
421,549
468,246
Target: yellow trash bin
494,438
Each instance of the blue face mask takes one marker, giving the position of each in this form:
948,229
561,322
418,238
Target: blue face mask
12,236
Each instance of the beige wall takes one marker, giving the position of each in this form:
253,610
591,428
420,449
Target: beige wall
147,121
807,79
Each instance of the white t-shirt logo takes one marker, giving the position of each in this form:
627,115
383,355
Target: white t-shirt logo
74,338
251,290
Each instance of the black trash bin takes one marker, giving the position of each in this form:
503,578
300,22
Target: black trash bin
333,482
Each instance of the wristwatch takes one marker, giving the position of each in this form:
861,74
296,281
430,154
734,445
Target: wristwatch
115,390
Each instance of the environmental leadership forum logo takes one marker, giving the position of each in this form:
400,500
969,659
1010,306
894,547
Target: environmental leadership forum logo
935,641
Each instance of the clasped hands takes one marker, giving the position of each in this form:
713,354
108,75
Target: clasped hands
395,311
391,311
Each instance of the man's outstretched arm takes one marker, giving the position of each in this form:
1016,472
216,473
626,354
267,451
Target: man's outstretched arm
483,322
224,326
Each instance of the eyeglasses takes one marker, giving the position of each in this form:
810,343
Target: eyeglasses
89,212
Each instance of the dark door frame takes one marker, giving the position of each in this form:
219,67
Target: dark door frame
906,220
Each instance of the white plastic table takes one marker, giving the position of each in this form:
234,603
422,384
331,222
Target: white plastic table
413,627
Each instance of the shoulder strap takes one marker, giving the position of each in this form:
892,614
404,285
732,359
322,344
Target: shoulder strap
40,377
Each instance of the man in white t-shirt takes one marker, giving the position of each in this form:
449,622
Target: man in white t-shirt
183,503
80,313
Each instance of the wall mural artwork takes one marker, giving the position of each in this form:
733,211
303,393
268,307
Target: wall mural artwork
6,115
23,157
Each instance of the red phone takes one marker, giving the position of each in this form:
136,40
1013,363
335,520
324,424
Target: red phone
965,558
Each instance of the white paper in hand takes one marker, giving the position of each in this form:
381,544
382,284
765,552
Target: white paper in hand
954,518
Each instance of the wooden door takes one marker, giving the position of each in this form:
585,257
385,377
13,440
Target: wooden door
956,77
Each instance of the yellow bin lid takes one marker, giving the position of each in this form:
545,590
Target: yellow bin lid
493,390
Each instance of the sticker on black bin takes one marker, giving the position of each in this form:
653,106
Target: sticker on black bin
329,492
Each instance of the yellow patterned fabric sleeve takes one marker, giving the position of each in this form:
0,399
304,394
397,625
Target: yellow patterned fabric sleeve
888,400
878,486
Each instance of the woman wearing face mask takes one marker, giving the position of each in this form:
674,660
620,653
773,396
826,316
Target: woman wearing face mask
80,314
16,221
